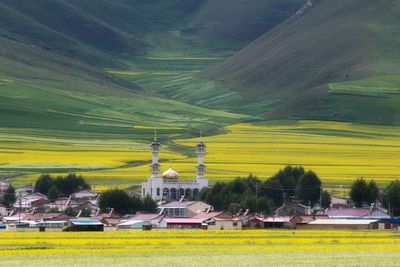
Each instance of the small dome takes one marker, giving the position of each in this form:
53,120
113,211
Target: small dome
170,174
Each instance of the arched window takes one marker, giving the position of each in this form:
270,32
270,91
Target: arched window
173,193
188,192
195,192
166,192
181,192
158,191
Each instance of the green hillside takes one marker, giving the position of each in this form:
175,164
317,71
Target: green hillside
320,64
241,21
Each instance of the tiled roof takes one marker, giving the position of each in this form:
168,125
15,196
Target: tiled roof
206,216
352,212
145,217
177,204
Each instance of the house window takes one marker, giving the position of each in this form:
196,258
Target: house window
158,191
144,192
235,224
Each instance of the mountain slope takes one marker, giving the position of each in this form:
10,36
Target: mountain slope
241,21
332,41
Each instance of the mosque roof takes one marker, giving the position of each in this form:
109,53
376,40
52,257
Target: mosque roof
170,174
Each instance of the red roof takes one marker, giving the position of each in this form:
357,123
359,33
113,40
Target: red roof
352,212
145,217
206,216
183,221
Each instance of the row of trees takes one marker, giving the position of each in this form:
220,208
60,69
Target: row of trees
123,203
261,196
65,186
363,193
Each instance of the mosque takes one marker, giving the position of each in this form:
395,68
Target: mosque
168,186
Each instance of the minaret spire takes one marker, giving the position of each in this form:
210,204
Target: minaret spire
155,149
201,152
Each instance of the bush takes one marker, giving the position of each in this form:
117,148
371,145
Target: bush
149,205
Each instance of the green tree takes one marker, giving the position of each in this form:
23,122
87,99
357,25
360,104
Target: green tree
70,184
44,183
234,208
392,198
326,200
85,213
9,197
373,192
149,205
53,193
272,188
364,193
289,178
120,201
69,211
264,205
309,188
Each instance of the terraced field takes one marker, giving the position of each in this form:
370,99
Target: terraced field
199,248
338,152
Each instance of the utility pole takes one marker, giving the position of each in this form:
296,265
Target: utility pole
256,197
320,197
20,207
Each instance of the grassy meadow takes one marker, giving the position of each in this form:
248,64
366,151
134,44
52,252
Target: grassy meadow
199,248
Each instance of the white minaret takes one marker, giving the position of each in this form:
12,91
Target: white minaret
201,167
155,166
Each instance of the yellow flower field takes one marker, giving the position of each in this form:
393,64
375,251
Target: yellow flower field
199,248
338,152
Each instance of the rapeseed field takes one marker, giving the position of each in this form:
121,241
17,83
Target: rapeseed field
197,247
338,152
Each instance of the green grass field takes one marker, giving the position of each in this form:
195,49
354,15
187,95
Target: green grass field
200,248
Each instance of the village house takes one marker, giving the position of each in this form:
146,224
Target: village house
184,208
354,224
223,223
292,206
299,220
373,212
270,222
29,201
84,196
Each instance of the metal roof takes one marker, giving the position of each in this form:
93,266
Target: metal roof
86,222
342,222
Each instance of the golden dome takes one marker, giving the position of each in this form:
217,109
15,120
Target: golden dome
170,174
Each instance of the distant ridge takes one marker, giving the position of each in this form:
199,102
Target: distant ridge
331,41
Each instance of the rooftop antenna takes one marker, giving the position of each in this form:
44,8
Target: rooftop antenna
155,134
